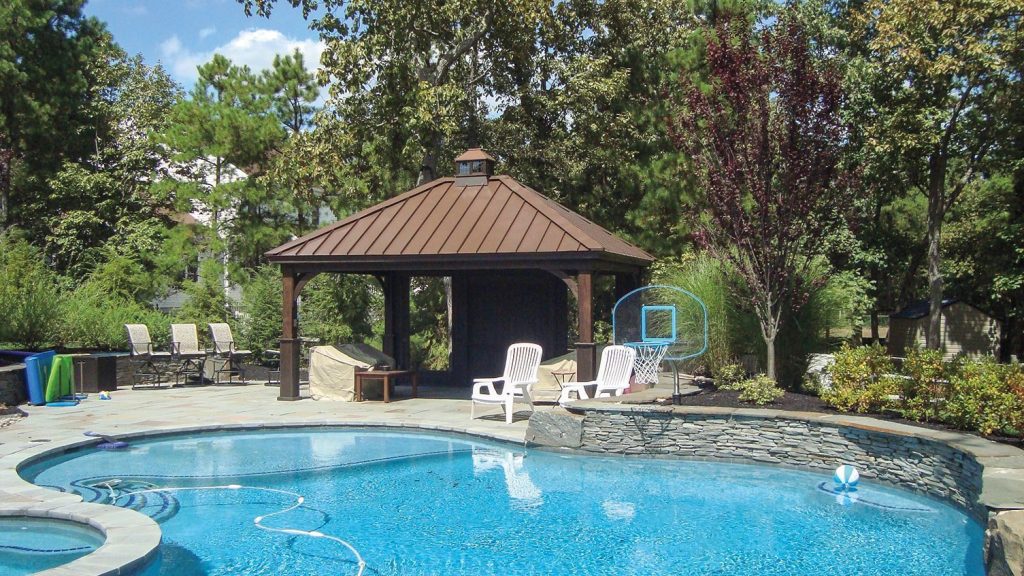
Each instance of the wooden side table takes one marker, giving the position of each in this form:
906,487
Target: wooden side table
563,376
386,376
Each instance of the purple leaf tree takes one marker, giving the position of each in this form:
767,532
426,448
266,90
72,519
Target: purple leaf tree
763,128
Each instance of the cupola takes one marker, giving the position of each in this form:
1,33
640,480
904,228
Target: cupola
473,167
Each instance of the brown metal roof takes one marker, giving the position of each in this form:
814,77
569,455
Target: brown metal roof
474,154
443,222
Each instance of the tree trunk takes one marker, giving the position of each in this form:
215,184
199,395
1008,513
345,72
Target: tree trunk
450,304
6,160
874,327
769,347
936,212
428,169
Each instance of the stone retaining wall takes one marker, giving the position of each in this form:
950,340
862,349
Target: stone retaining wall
12,384
910,462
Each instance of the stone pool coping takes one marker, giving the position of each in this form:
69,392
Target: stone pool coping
1002,465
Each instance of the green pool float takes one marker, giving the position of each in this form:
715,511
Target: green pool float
62,381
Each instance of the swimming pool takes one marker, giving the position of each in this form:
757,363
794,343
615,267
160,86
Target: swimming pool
29,544
416,503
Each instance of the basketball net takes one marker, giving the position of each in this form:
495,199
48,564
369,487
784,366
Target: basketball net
648,360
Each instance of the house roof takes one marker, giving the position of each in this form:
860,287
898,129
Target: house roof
448,221
920,309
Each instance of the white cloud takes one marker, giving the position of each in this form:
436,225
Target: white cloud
255,48
170,47
208,31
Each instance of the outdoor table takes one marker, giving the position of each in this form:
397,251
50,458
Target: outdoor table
563,376
387,376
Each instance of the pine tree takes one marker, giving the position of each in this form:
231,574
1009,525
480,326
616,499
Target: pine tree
293,90
219,137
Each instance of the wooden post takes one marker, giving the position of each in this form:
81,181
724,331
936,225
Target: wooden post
586,350
396,319
289,338
458,361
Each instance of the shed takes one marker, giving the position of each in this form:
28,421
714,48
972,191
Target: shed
964,329
512,255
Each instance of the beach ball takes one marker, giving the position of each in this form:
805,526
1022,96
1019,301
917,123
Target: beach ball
846,477
104,396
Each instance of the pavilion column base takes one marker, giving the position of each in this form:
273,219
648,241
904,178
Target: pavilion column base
290,350
586,361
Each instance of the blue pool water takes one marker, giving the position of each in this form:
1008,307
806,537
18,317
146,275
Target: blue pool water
418,504
28,545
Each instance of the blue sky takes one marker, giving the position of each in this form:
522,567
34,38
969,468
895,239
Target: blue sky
182,34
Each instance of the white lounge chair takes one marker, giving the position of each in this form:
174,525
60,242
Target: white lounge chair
612,376
224,349
186,352
521,364
143,358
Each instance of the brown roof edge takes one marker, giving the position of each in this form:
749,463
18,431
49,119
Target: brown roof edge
440,262
375,208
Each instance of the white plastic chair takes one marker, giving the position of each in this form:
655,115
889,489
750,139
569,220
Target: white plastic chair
612,376
521,364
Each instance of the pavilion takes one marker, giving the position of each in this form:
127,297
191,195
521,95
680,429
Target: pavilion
511,253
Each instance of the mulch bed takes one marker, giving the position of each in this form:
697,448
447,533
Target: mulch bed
798,402
731,399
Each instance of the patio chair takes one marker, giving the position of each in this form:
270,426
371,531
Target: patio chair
224,349
612,375
521,364
186,352
143,359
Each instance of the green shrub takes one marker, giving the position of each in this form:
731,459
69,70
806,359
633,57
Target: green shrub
731,331
94,318
924,385
261,310
29,294
987,397
760,390
90,318
729,377
862,379
206,301
337,308
124,276
837,303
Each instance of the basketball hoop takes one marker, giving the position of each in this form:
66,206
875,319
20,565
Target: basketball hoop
648,360
662,324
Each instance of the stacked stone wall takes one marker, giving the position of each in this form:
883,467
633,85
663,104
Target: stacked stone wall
910,462
12,384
